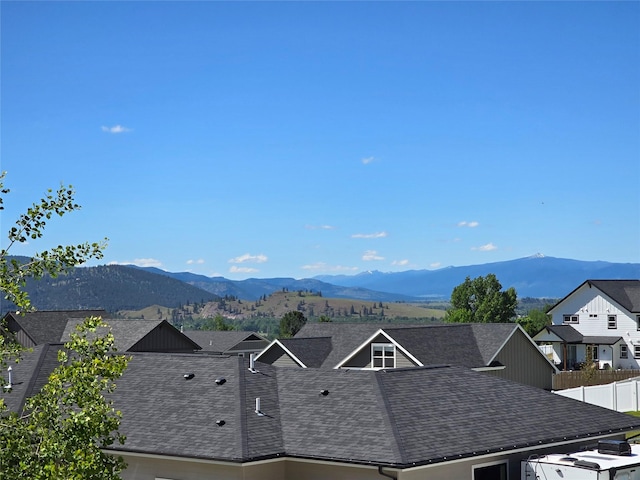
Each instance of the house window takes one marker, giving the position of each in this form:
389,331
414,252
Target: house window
383,355
612,321
570,318
636,351
624,351
592,351
638,321
494,471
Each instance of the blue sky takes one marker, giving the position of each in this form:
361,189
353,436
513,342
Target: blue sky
294,139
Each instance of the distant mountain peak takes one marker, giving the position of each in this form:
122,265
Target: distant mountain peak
537,255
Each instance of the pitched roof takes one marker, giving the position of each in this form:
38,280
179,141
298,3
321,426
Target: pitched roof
310,351
47,326
224,341
399,417
345,337
624,292
568,334
471,345
127,333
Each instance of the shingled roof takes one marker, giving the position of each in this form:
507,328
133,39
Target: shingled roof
47,326
201,406
216,341
469,345
568,334
129,334
624,292
407,416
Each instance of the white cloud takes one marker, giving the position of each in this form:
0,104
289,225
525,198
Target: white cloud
400,263
199,261
371,255
321,266
115,129
140,262
468,224
249,258
435,265
319,227
235,269
370,235
485,248
368,160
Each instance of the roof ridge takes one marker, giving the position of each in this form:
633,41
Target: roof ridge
390,423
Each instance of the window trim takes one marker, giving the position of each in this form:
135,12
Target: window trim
570,319
610,325
594,352
624,350
636,351
383,357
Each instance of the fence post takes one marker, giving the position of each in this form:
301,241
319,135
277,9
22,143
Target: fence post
614,395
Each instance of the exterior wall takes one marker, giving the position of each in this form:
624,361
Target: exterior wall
524,363
21,336
158,467
163,338
586,302
362,359
145,468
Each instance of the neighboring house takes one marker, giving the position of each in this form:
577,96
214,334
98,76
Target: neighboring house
142,336
501,349
189,417
231,342
44,326
53,327
600,319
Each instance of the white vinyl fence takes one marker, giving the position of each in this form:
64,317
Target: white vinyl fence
621,396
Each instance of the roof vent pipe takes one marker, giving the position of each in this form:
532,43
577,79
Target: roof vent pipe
252,363
9,385
258,411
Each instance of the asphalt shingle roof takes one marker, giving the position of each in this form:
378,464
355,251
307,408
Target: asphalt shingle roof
46,326
220,341
398,417
569,334
625,292
310,351
470,345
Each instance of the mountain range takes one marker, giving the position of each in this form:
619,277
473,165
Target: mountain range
120,287
537,276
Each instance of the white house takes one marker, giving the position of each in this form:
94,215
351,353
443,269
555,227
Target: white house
600,319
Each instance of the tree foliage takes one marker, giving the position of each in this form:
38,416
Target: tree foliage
62,429
291,323
534,321
482,300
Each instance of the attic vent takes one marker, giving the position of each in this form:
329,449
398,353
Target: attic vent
189,376
324,393
220,422
220,381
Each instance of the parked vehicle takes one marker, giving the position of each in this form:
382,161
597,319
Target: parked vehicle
612,460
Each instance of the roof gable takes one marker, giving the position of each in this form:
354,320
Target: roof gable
217,341
47,326
625,293
140,335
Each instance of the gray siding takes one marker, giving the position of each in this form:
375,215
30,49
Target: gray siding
524,363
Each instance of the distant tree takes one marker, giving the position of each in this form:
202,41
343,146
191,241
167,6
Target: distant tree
291,323
482,300
534,321
324,319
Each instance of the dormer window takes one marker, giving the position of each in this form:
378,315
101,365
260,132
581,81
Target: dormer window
383,355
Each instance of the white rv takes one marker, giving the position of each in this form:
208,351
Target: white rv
612,460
